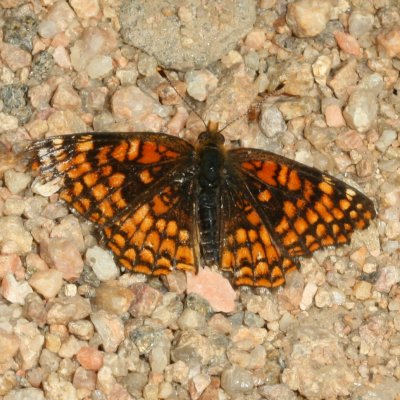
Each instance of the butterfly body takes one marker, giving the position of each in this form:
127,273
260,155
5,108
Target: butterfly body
160,203
210,154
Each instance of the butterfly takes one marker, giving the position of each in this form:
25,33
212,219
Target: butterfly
161,203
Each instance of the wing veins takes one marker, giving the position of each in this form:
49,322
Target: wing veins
278,243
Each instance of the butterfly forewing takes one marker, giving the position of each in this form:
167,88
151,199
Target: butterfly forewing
103,174
137,188
302,208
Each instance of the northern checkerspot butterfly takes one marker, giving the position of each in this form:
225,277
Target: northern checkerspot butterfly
161,203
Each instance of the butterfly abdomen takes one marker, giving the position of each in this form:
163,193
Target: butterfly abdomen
211,162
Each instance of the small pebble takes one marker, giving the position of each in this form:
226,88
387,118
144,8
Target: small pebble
191,319
110,328
47,283
388,276
102,262
11,263
200,83
131,103
385,140
9,345
16,181
66,121
15,57
87,9
14,206
277,392
145,301
308,295
56,387
235,380
13,236
321,69
308,18
14,291
360,22
388,42
344,77
62,310
361,110
66,98
214,288
82,329
255,39
31,342
271,121
7,122
348,44
25,393
61,57
90,358
99,67
70,347
84,379
113,299
362,290
64,256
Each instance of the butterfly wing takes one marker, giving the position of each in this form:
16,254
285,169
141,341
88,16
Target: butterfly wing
248,250
300,208
127,184
159,235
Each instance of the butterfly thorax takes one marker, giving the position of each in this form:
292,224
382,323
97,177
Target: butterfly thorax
210,159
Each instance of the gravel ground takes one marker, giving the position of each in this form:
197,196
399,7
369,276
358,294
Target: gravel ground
73,326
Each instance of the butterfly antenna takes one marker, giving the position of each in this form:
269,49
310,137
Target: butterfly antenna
162,72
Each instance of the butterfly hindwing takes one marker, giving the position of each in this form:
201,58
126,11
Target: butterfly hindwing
159,235
247,248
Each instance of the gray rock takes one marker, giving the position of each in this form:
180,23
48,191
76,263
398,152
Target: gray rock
42,64
20,31
361,110
194,34
236,380
135,382
191,319
386,139
15,101
360,22
146,337
271,120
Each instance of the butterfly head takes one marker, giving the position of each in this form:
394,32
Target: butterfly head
211,138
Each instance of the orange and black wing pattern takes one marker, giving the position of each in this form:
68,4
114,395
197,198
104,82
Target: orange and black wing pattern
137,188
247,248
289,210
